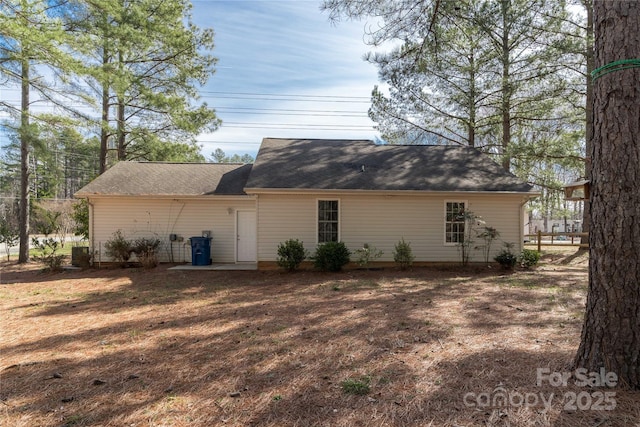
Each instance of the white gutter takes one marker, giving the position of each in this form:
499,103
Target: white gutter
255,191
166,196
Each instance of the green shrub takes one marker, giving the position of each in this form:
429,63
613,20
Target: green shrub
403,255
119,248
331,256
8,235
46,222
506,259
529,258
81,217
488,234
148,259
367,254
48,249
470,233
290,254
146,250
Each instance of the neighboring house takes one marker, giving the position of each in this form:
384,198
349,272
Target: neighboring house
315,191
558,225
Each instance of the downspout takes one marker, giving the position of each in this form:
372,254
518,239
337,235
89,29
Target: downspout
257,231
521,214
91,228
171,227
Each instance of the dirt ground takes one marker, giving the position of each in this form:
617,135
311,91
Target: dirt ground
426,347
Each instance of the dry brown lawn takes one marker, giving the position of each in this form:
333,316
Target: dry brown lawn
133,347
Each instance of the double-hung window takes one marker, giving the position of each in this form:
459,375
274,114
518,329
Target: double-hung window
454,222
328,221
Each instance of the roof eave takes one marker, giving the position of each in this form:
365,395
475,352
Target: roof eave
163,196
255,190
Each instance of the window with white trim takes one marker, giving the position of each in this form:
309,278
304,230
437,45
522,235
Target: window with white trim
328,221
454,222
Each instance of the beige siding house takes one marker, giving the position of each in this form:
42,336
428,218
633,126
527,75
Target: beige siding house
382,220
173,202
315,191
359,192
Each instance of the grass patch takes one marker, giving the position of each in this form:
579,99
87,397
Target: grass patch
345,285
72,420
521,282
359,386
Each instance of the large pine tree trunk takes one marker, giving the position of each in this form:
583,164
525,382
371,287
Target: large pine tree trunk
104,123
589,56
25,146
120,113
122,140
611,331
506,86
472,103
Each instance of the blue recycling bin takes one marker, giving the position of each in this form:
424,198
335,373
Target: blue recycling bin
200,250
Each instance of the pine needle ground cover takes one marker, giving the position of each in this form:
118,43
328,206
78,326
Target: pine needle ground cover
423,347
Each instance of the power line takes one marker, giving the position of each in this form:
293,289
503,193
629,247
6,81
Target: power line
291,110
291,95
293,114
71,153
279,98
311,125
283,112
301,128
249,110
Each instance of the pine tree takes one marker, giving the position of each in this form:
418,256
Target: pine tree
611,330
30,40
148,63
436,90
476,72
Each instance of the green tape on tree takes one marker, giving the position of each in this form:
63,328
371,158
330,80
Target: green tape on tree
623,64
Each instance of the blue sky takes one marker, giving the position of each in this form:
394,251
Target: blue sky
284,70
300,71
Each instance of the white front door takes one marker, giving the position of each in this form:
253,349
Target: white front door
247,236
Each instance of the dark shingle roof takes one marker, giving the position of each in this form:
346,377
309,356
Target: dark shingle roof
315,164
362,165
169,179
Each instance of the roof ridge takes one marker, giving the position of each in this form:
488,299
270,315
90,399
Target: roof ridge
318,139
180,163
